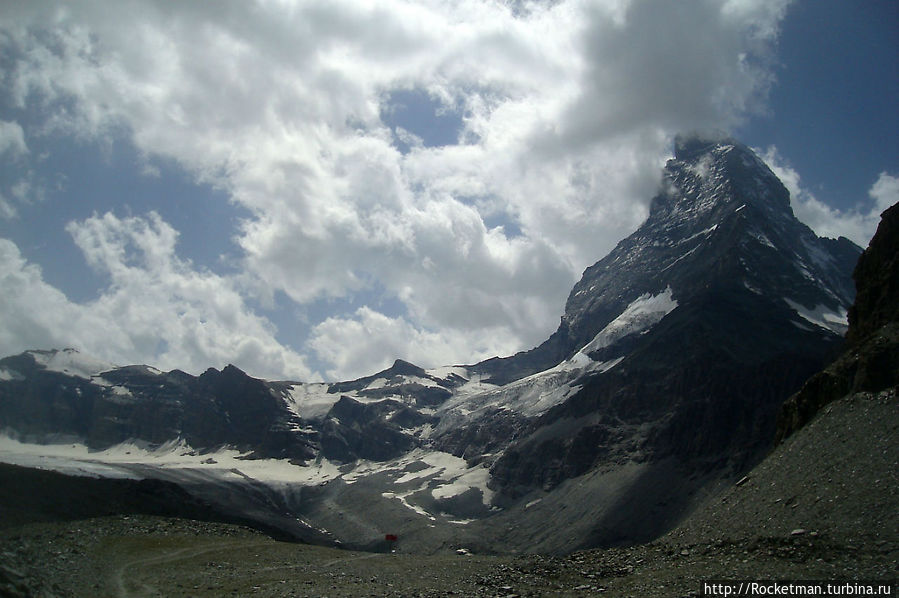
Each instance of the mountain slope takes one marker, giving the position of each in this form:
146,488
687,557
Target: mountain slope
722,221
821,506
871,360
52,394
758,306
829,489
662,382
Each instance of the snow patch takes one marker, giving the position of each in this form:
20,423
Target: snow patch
376,384
445,372
530,396
688,254
444,474
704,232
643,313
120,395
823,316
751,288
312,400
475,385
404,499
476,477
821,258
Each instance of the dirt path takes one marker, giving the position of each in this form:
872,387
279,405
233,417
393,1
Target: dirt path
121,579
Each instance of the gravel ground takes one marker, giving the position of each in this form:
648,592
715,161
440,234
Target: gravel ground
823,506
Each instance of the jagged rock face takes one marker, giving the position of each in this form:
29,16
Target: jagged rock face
758,299
722,222
871,360
877,281
375,431
108,405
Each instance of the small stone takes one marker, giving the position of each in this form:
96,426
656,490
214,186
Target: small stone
798,532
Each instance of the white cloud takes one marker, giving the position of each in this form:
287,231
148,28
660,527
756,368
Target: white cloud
156,308
668,65
7,210
369,341
884,192
857,224
568,110
12,139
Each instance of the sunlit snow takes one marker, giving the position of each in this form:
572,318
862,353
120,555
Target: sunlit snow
78,459
643,313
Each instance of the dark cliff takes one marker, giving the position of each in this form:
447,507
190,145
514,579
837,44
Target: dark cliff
871,360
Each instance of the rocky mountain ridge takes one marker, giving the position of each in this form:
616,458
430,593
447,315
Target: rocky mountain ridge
668,369
821,506
870,362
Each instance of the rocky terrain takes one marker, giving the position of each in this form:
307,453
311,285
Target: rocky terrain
822,506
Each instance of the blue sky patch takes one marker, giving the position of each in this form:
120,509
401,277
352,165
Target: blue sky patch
415,117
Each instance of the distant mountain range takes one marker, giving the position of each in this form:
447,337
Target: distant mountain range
662,384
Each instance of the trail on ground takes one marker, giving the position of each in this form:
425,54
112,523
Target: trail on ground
119,576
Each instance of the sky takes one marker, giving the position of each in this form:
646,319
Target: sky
312,189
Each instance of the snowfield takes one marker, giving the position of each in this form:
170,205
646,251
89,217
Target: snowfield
442,474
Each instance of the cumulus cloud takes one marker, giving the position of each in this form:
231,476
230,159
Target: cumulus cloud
567,111
368,341
680,65
156,308
857,224
884,192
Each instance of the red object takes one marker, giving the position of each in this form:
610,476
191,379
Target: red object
390,538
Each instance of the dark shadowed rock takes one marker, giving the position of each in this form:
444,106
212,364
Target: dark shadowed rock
871,360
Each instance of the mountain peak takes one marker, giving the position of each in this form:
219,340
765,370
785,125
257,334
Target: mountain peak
710,172
691,145
722,219
721,222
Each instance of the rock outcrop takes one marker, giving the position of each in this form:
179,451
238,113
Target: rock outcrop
871,360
